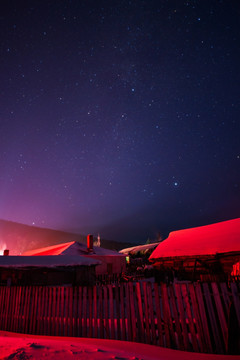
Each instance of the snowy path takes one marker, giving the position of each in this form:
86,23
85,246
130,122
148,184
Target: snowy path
23,347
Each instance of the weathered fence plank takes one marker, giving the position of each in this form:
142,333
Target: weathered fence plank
79,321
70,313
203,317
221,316
180,316
167,316
75,311
128,313
84,311
38,312
12,307
111,312
7,294
95,324
176,318
33,311
214,326
26,309
158,314
54,307
101,321
225,295
106,316
2,299
123,322
236,301
67,309
116,288
15,321
189,317
151,313
132,312
141,332
45,315
1,305
49,311
90,317
148,336
200,331
57,325
62,318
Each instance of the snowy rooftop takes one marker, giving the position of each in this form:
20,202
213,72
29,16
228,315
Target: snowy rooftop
135,249
204,240
71,248
46,261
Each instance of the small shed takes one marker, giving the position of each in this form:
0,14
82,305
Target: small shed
47,270
197,252
111,262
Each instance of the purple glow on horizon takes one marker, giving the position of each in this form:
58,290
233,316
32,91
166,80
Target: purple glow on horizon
120,120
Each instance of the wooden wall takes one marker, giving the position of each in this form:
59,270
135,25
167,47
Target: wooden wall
198,317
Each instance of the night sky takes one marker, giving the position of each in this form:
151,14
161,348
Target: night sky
120,117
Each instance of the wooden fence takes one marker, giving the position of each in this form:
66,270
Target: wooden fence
184,316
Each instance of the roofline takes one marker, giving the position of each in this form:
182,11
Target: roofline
179,257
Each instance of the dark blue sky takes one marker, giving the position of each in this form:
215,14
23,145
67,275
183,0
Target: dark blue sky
120,117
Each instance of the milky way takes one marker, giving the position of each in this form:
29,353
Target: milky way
119,117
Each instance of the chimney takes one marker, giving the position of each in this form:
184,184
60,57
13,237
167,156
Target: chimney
6,252
90,243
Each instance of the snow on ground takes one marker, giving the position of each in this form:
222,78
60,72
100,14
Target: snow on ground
23,347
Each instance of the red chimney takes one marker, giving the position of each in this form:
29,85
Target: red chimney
6,252
90,243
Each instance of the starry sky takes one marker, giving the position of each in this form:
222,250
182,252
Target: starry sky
119,117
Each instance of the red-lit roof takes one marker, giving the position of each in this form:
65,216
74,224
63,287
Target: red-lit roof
204,240
49,250
71,248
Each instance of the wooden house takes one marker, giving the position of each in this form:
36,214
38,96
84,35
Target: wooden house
47,270
111,262
206,252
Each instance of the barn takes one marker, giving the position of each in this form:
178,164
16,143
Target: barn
111,262
203,252
47,270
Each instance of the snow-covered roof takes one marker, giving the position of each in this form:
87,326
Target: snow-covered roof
78,248
49,250
46,261
220,237
71,248
137,248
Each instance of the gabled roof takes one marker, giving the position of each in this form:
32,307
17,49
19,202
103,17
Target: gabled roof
71,248
220,237
49,250
46,261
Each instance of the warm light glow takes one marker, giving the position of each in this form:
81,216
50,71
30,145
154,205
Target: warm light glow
3,246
